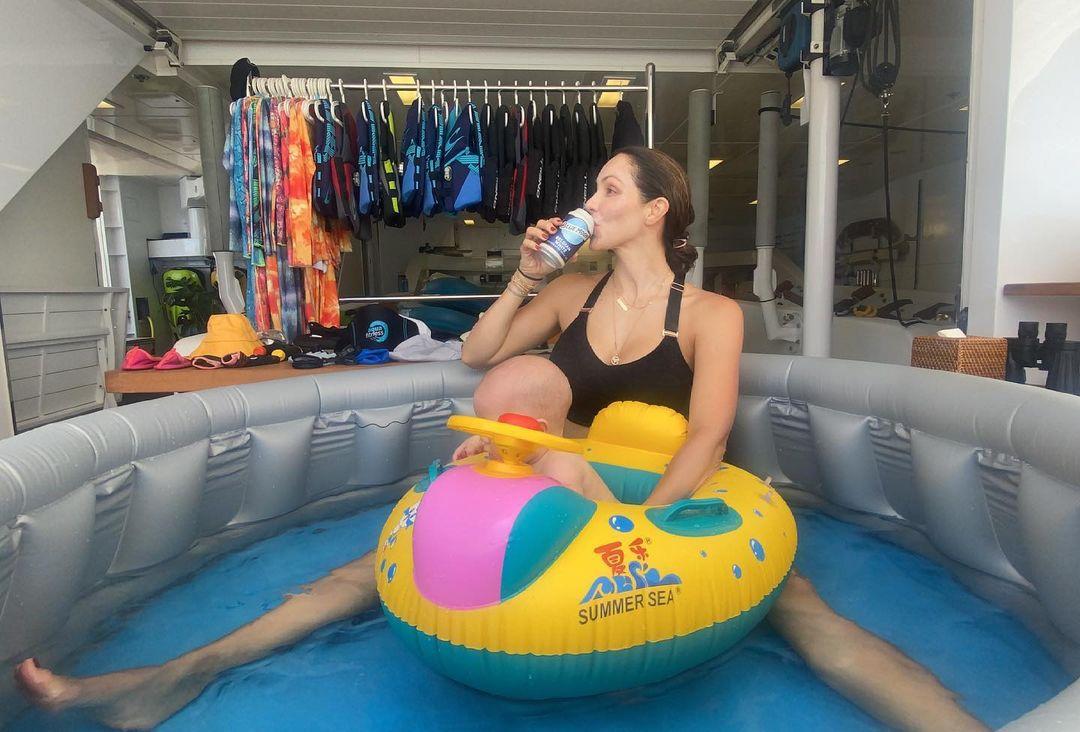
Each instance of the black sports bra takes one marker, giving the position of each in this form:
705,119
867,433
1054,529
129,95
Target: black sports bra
661,377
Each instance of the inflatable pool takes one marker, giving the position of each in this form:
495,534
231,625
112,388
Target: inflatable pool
101,511
518,586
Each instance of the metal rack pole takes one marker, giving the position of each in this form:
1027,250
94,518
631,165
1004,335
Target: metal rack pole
421,298
502,87
650,83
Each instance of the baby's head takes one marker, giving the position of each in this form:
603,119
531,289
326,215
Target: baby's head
528,385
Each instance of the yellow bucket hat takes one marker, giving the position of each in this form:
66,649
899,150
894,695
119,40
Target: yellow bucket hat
225,334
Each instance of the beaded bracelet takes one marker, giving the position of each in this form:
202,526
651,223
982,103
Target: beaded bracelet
534,279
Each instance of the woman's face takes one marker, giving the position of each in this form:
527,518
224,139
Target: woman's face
617,209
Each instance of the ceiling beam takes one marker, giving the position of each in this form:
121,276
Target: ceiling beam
224,53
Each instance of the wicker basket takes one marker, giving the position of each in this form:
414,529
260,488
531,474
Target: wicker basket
973,355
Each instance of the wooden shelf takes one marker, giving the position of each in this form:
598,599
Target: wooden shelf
1044,289
193,379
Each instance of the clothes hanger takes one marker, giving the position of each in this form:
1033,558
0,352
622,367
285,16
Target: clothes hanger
578,84
316,86
305,101
498,94
327,91
563,85
520,109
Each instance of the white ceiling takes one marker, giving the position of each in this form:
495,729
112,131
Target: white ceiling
151,130
641,24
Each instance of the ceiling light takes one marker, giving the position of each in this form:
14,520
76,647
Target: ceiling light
963,108
714,162
407,96
469,222
754,202
106,104
844,160
610,99
797,104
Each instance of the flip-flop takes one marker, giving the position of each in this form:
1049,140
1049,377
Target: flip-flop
138,359
372,356
234,360
265,360
206,362
172,360
307,362
281,349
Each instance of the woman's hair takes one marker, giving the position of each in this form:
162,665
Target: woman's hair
657,175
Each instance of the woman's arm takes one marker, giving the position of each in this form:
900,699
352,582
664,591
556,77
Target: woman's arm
507,329
717,345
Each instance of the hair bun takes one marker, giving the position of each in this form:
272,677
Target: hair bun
679,242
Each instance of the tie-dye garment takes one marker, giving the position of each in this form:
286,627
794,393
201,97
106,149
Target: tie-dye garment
293,255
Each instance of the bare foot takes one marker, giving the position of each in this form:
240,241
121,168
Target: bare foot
136,699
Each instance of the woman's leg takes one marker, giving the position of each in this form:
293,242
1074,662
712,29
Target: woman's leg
140,698
867,670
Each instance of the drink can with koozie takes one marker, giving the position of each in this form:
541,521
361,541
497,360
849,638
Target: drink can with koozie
576,229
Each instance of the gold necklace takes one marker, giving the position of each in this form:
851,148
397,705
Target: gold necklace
615,359
626,308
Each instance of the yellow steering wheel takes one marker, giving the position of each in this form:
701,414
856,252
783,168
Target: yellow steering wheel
513,442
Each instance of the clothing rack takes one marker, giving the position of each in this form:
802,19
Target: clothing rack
423,298
322,87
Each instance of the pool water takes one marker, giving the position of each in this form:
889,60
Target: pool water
356,674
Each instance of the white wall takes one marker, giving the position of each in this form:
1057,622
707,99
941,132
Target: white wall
58,59
142,221
45,238
173,217
1027,147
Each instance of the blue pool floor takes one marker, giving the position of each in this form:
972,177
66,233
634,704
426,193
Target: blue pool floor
356,675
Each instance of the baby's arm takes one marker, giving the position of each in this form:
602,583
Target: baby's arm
574,472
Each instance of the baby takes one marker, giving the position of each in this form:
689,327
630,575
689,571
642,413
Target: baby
535,387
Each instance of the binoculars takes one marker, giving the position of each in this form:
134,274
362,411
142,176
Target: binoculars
1059,358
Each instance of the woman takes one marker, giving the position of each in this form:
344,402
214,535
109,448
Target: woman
636,334
640,333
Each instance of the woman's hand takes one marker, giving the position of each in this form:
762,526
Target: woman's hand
472,446
531,262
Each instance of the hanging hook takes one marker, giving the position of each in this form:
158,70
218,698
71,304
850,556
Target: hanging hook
468,90
546,93
433,92
594,97
419,97
498,94
485,91
341,90
386,97
578,84
516,94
